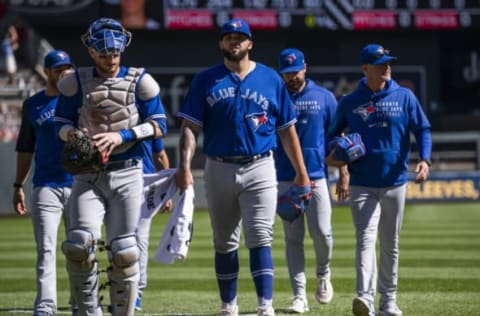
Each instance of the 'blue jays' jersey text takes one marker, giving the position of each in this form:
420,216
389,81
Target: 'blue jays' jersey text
238,117
315,107
38,135
384,120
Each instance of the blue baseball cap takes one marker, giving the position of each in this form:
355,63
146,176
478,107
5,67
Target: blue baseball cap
236,26
56,58
291,60
375,54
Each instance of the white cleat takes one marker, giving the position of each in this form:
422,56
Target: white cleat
265,310
299,305
361,307
229,310
324,291
390,309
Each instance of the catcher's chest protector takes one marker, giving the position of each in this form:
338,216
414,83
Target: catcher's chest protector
108,104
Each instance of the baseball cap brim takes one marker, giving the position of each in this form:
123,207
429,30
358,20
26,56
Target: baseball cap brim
60,63
295,68
382,60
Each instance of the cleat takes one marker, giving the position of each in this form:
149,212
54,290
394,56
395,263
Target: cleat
361,307
324,291
229,310
299,305
265,310
389,309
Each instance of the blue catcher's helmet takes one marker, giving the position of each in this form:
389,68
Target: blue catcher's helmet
106,36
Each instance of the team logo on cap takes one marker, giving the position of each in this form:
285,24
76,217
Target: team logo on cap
290,59
257,119
62,55
365,110
236,24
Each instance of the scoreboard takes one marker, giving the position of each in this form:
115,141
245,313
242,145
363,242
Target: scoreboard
350,15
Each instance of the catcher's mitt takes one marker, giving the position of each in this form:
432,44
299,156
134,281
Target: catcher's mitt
80,155
348,148
293,202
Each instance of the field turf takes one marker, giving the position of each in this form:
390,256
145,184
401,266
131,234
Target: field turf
439,268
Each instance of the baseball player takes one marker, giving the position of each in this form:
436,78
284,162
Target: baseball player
118,107
154,158
384,114
239,105
315,107
51,184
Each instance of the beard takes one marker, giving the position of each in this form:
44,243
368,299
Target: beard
294,85
234,57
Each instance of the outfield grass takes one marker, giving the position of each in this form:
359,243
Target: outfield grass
439,268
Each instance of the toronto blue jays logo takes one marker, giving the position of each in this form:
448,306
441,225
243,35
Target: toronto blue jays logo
290,59
364,110
257,119
236,24
62,55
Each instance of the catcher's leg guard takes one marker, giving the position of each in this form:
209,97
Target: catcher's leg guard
79,250
123,275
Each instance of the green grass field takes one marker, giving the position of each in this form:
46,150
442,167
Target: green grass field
439,268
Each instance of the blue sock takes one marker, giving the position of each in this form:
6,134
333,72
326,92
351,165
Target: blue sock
226,268
261,267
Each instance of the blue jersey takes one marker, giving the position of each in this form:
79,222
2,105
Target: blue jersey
38,135
238,117
152,109
150,147
315,108
384,120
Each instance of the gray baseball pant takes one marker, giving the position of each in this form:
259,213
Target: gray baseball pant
48,207
377,210
318,215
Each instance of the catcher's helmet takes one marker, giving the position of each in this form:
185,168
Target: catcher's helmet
106,36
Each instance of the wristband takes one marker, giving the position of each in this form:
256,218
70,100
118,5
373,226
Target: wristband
429,163
17,185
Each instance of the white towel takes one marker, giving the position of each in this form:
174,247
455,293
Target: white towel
178,231
158,188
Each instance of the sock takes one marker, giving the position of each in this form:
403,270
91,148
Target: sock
226,268
261,267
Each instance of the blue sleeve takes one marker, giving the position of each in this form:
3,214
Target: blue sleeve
153,109
286,116
193,108
331,107
67,110
339,122
420,127
157,145
26,135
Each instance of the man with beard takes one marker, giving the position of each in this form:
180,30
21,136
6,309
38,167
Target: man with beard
240,105
315,107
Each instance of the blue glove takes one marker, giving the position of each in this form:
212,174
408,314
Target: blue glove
293,202
348,148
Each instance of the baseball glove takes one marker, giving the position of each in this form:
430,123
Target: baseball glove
293,202
348,148
80,155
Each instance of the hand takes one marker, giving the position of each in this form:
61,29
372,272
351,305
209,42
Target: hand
342,189
183,178
19,201
422,170
106,142
167,208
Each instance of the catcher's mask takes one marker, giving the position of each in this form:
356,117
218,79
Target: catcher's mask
106,36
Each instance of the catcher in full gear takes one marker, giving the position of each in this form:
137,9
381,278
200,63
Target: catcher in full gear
103,114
